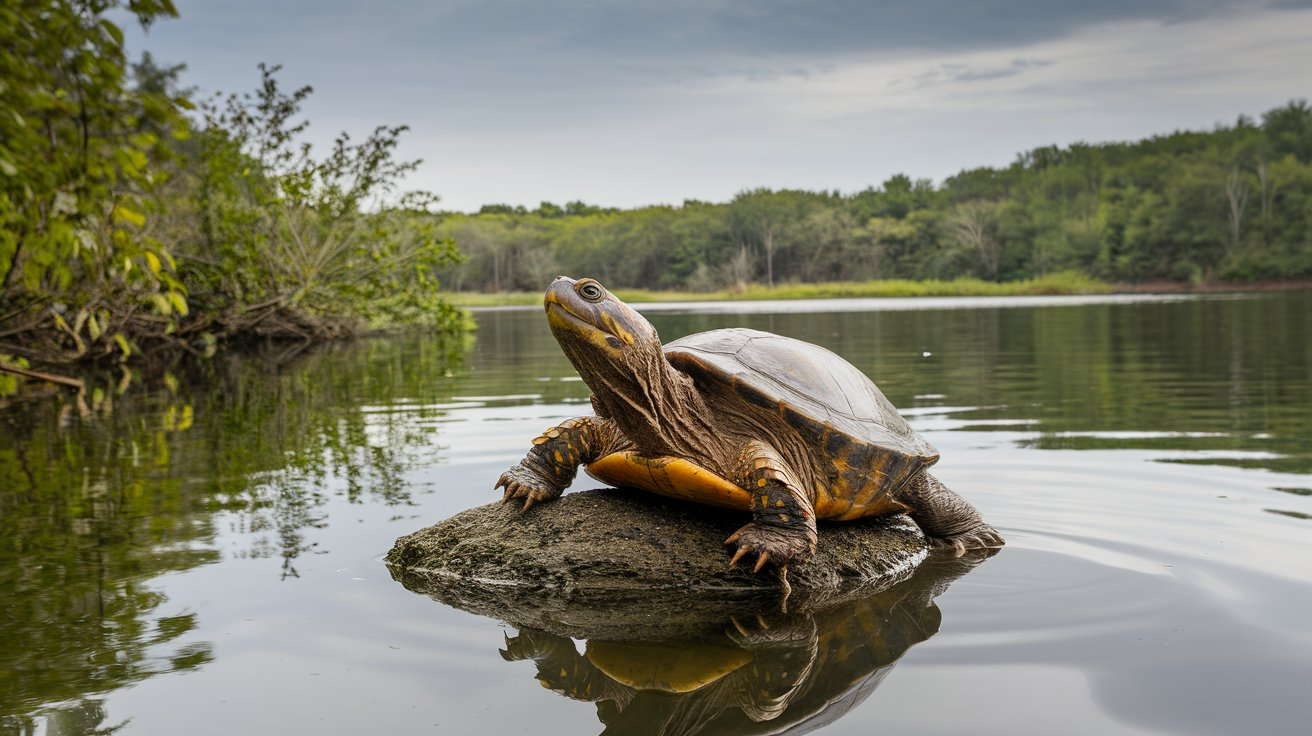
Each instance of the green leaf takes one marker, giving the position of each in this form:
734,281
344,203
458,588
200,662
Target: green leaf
178,301
162,304
114,32
123,214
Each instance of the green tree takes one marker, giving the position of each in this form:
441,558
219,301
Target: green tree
1289,129
299,246
78,275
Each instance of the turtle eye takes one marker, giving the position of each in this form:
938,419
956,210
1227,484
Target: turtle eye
591,291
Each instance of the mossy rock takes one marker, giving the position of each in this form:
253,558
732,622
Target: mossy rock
633,563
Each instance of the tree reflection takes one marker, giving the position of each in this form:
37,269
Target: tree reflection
98,500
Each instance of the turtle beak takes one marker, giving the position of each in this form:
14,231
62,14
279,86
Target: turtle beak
565,310
559,293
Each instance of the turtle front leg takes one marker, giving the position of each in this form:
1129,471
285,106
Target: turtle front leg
550,465
782,530
946,518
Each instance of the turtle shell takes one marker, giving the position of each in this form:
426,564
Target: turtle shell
836,408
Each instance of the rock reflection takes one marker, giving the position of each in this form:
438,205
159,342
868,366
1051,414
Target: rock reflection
762,671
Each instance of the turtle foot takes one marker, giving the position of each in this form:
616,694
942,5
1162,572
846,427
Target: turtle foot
521,483
776,545
779,631
980,537
534,644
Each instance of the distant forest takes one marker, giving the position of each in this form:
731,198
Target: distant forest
1230,204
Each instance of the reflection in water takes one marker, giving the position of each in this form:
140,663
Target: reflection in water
1142,583
756,673
94,506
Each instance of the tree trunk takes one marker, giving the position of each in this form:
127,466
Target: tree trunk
970,223
1236,191
1266,192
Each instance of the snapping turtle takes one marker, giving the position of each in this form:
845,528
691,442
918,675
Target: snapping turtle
736,418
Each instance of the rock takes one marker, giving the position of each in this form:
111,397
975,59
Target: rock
626,562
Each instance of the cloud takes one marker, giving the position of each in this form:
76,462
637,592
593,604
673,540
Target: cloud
962,72
622,103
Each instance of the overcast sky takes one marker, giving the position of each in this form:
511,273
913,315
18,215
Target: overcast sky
633,103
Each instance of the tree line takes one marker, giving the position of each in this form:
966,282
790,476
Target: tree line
1230,204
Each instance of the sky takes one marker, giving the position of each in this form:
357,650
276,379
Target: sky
626,104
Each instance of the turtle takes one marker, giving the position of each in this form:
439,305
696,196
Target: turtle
736,418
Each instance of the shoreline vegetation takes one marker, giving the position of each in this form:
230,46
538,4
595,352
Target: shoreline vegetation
1067,283
1064,283
141,222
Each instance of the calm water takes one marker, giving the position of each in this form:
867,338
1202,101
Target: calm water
207,559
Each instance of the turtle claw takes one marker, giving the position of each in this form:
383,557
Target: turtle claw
510,485
777,630
522,484
739,626
772,545
983,537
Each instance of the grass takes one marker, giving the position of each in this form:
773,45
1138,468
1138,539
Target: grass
1066,282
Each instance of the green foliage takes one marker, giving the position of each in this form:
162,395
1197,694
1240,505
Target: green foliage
1233,203
76,180
304,244
1063,282
121,232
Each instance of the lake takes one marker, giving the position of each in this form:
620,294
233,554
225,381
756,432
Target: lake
206,558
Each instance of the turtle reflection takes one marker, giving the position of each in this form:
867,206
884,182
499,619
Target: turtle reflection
764,674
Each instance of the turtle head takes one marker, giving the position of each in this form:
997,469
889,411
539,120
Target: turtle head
615,350
583,314
619,355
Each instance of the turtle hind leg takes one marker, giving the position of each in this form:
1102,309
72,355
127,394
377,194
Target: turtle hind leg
782,530
947,519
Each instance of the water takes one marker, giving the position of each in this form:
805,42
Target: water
208,559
